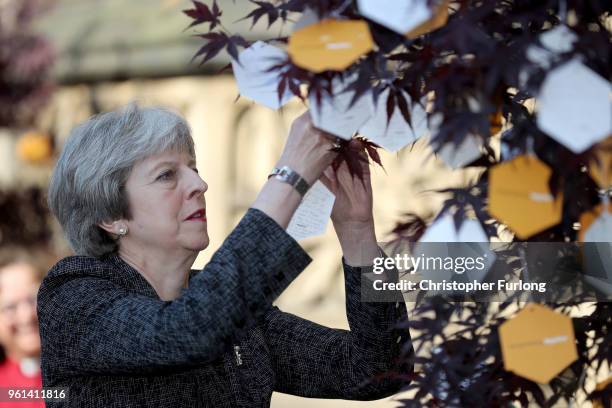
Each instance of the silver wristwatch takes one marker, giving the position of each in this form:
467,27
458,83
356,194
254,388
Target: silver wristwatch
291,177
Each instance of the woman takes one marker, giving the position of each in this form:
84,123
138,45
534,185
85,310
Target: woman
125,323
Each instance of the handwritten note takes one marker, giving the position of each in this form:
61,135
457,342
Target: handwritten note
311,217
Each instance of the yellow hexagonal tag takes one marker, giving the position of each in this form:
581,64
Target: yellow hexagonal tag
600,168
538,343
520,198
330,44
438,20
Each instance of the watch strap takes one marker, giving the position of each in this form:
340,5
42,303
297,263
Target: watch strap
291,177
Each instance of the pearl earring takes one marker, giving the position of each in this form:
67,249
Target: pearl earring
122,230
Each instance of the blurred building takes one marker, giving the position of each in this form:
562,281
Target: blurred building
114,51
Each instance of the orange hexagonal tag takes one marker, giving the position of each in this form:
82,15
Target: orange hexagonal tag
330,44
438,20
520,198
538,343
600,168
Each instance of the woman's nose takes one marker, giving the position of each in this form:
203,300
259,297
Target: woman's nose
198,186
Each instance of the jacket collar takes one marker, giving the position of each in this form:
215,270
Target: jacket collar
134,279
131,278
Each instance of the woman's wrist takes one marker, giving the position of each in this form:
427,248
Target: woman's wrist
278,200
358,242
348,229
309,171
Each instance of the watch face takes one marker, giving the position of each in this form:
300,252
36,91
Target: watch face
281,174
292,178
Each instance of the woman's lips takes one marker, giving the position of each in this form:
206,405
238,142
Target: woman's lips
202,219
199,215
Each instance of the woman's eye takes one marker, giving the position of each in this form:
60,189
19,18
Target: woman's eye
166,175
195,169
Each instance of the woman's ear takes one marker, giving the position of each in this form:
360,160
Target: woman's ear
114,227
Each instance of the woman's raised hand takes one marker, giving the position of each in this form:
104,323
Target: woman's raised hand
308,151
352,212
353,204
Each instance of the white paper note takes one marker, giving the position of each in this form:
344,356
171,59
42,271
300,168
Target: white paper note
554,42
598,252
471,231
600,230
442,230
457,156
394,134
574,106
253,80
311,217
308,17
400,16
442,239
333,115
602,285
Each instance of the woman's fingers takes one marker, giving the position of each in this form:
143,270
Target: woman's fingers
327,183
343,175
331,175
308,151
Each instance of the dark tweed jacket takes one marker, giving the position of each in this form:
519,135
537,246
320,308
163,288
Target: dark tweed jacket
108,337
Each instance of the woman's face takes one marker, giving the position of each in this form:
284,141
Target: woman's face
166,198
18,321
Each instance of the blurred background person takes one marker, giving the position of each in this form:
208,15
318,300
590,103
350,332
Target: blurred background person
19,338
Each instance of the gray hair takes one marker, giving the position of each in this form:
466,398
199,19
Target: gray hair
88,183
